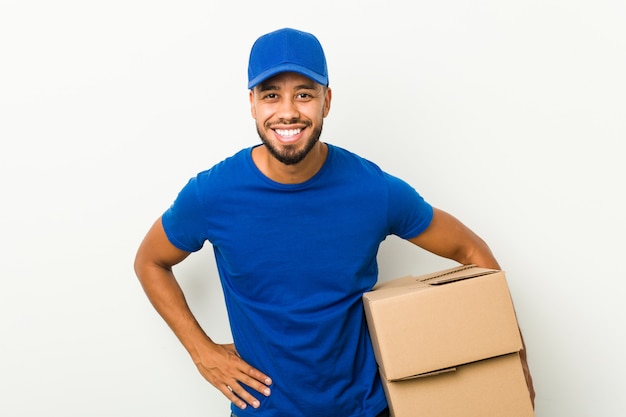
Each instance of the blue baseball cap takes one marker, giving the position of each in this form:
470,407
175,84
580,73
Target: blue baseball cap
287,50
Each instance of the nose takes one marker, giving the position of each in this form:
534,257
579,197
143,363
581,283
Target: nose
288,110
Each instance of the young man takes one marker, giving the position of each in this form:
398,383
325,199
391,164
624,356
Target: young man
295,224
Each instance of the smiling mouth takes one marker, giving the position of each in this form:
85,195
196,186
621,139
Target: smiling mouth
287,133
287,136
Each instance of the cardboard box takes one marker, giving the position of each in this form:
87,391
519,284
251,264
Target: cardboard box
436,321
493,387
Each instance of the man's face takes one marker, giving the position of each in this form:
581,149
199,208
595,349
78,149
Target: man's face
289,110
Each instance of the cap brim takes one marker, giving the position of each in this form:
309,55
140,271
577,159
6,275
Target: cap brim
318,78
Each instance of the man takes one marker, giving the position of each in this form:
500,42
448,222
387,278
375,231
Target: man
295,225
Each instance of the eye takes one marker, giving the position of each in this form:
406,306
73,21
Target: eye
270,96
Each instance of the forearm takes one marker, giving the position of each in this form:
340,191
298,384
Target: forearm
479,254
168,299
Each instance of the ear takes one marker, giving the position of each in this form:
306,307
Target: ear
252,106
327,99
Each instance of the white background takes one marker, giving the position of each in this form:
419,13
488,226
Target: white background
508,114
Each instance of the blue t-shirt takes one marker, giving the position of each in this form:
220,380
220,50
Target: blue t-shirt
294,261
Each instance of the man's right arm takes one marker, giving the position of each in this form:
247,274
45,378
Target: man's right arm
218,364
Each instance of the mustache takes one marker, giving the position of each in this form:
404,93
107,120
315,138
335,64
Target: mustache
283,122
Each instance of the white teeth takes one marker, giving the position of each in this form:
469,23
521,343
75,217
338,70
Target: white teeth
288,132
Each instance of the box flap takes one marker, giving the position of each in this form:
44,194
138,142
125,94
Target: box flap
446,279
424,375
455,274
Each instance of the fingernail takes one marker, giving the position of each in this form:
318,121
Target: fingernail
268,381
266,392
256,404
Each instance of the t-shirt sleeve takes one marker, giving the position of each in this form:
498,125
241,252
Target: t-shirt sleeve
409,213
183,221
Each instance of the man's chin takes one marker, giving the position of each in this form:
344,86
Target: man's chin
291,153
289,157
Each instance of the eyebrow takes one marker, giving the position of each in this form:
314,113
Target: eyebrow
273,87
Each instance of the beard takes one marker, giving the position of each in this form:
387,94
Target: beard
291,154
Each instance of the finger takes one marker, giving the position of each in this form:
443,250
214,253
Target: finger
240,396
260,376
257,381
